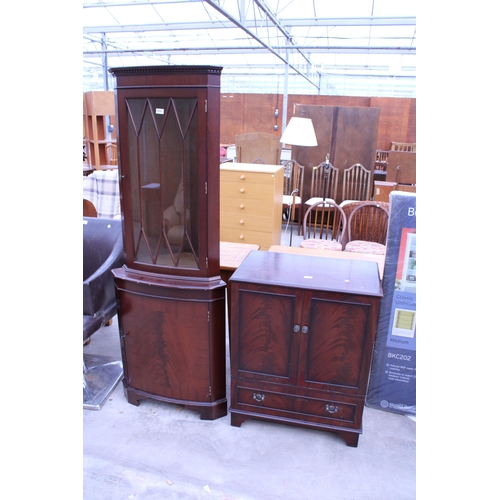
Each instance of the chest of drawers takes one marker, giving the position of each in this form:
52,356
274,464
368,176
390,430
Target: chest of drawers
251,203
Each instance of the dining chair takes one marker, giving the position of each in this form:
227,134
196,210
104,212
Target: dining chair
356,183
367,223
293,180
324,226
324,180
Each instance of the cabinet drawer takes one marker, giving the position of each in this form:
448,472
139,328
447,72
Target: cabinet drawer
264,239
335,411
252,190
246,177
246,222
247,206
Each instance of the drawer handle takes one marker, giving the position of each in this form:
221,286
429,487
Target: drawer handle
305,329
242,206
242,190
242,177
242,221
296,328
241,237
259,397
332,408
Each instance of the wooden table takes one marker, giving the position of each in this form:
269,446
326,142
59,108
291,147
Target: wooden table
379,259
231,256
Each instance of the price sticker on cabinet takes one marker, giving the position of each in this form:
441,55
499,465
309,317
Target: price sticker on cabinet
160,111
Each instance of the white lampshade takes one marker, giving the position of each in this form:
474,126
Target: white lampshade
299,132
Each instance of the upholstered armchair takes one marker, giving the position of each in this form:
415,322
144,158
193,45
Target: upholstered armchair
102,252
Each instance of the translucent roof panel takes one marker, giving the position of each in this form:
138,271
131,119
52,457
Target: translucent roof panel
332,47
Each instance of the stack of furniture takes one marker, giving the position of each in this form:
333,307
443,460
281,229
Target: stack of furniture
251,203
401,175
99,128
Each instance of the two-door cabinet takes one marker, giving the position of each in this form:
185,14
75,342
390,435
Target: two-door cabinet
171,298
302,334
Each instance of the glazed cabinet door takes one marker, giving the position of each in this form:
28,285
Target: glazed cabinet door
264,345
163,174
336,342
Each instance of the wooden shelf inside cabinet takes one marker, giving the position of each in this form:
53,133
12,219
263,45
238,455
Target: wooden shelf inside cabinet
302,334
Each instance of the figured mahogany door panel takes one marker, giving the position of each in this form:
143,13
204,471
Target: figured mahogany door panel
166,347
264,346
334,346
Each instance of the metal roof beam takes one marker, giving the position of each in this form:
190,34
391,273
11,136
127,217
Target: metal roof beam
241,50
254,36
289,23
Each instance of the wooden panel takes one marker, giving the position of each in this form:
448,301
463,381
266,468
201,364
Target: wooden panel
348,134
397,120
100,103
244,113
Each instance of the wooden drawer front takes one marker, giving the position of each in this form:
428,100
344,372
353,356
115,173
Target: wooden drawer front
264,239
246,222
320,411
246,177
247,206
252,190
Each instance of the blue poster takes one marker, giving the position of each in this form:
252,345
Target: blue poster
392,384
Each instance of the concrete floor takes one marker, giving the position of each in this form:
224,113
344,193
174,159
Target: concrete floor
163,451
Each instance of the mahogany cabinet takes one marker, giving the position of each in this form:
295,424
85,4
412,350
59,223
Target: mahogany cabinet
171,299
302,334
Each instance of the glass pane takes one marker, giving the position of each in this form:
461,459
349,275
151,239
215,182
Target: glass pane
162,140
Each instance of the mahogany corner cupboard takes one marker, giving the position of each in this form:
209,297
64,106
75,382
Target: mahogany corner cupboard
171,299
302,335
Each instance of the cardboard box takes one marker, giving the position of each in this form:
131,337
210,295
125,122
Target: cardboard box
392,384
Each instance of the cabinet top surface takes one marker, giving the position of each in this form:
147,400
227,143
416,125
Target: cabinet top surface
251,167
314,273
